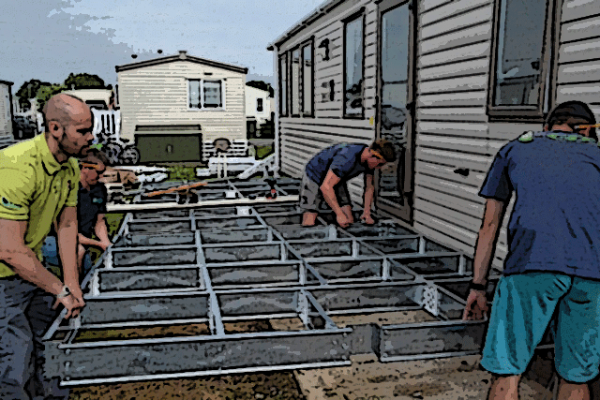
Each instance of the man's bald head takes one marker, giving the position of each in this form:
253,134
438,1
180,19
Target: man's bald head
63,108
69,126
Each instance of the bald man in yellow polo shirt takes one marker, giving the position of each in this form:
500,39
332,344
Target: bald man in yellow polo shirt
39,181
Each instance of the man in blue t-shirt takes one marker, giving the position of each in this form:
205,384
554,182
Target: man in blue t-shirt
552,270
326,176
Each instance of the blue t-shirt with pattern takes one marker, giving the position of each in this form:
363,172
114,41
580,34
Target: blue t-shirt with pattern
555,223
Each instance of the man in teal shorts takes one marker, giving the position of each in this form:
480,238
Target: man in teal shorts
552,270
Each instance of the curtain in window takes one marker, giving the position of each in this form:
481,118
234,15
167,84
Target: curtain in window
354,67
212,94
519,57
194,93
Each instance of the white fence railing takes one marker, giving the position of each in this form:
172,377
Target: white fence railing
107,121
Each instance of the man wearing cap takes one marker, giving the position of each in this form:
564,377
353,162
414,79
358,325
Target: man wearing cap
552,270
326,176
38,185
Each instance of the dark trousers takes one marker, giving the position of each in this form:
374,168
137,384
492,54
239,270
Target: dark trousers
25,316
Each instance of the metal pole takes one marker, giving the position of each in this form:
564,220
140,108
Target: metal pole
277,107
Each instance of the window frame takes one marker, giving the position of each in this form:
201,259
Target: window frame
548,71
360,14
262,105
310,42
284,102
291,83
201,89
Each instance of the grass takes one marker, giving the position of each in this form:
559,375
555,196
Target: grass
181,173
263,151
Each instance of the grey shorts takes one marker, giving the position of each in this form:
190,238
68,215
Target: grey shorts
311,198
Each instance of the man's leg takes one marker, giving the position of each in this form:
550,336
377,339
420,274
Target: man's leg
309,218
573,391
41,315
16,338
310,199
577,343
504,387
523,307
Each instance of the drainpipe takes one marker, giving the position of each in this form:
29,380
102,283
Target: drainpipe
277,108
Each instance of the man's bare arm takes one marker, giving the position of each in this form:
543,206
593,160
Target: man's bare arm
15,253
329,194
487,238
101,229
369,192
477,307
86,241
67,246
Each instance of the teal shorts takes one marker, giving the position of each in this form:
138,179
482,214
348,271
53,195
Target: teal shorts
524,306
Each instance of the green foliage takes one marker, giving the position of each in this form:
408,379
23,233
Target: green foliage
42,91
47,91
263,152
28,90
263,86
181,173
84,81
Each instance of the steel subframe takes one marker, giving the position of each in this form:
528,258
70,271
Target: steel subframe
308,296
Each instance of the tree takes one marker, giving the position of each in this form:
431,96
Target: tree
84,81
28,90
47,91
262,86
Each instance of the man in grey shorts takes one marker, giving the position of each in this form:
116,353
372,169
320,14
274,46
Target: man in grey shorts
326,176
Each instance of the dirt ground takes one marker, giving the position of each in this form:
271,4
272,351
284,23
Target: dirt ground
458,378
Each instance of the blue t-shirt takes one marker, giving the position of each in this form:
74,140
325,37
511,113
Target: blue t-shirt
342,159
555,223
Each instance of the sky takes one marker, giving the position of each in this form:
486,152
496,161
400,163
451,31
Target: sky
48,39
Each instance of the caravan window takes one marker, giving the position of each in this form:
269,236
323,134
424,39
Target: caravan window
522,59
296,83
283,98
353,68
307,80
205,94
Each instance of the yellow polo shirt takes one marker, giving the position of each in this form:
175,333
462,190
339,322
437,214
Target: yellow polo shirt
34,187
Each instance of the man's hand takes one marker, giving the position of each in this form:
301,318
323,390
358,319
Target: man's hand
104,245
342,220
367,219
77,294
477,307
72,304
